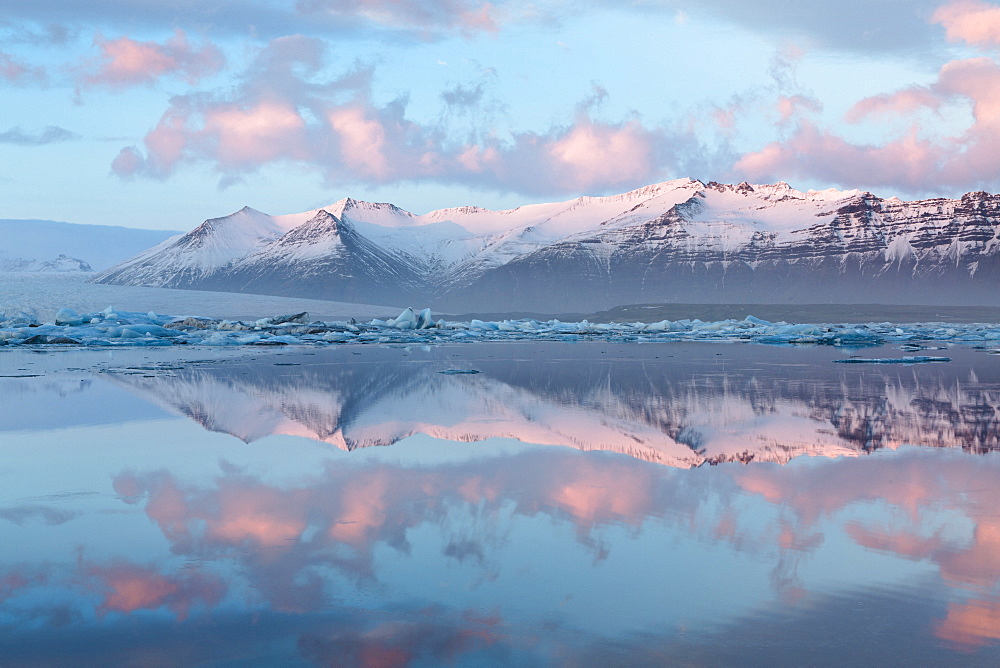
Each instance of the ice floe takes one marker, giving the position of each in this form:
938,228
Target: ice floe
916,359
114,328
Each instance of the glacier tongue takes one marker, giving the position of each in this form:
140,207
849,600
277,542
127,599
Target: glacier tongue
118,328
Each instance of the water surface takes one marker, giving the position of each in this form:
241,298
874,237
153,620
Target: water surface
585,504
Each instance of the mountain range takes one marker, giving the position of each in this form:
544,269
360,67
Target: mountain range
677,241
50,245
62,263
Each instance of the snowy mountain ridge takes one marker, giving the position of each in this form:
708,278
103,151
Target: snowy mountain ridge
61,263
680,240
27,241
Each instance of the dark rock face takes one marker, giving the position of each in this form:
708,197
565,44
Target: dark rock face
929,252
709,247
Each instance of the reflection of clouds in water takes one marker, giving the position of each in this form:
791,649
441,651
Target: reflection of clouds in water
339,518
19,578
922,485
366,555
970,625
20,515
431,635
285,540
126,587
286,536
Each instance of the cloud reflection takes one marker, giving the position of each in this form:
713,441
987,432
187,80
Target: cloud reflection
926,489
126,587
377,559
287,536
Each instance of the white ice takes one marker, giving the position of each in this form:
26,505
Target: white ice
112,327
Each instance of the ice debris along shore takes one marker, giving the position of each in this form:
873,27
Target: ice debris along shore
117,328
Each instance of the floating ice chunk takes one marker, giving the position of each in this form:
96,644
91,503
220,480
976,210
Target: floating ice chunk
21,319
456,372
405,320
48,339
916,359
67,316
191,321
302,318
111,327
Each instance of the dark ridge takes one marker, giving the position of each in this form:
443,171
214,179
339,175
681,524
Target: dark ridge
774,312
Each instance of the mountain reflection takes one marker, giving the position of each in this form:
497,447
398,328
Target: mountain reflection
690,406
517,555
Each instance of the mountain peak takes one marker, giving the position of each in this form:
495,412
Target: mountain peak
679,240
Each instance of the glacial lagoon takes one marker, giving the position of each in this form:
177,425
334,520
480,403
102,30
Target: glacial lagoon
505,502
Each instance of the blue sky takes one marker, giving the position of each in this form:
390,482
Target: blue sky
160,114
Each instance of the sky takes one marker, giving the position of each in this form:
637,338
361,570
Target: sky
162,113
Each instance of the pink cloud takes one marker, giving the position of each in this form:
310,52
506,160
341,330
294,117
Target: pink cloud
362,141
359,142
265,131
126,62
914,161
336,129
970,21
725,118
13,70
813,151
895,104
791,107
594,155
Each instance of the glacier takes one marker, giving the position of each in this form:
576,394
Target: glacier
112,327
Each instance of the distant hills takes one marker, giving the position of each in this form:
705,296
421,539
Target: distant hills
49,245
672,242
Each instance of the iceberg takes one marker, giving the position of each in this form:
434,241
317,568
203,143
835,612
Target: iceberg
112,327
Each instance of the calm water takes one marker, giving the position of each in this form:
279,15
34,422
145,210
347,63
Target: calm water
578,504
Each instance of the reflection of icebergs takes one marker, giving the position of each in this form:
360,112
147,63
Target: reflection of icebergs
123,328
685,410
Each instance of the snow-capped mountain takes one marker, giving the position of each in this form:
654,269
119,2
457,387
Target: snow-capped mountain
62,263
40,245
678,241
